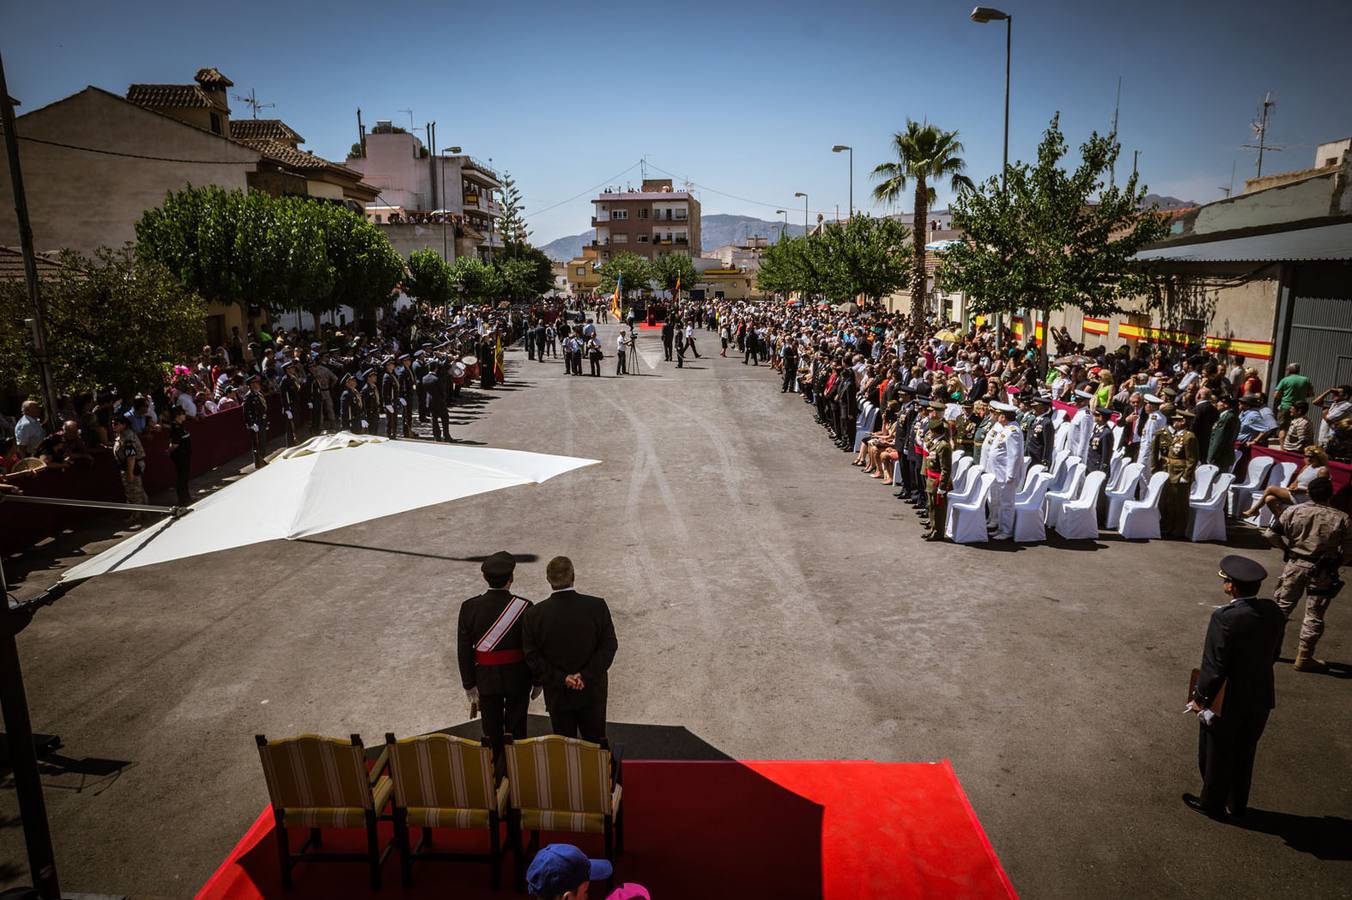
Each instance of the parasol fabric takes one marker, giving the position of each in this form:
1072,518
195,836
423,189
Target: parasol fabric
328,482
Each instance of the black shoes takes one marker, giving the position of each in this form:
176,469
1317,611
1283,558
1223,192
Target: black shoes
1194,803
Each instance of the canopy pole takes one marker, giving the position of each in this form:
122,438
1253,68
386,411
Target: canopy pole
175,511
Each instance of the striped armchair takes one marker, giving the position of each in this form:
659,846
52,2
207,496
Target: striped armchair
563,784
442,781
318,782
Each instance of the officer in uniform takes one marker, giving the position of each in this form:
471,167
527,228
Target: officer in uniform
790,361
351,412
293,390
569,640
1002,457
1243,639
965,435
1155,422
1099,457
493,669
256,419
1315,540
433,387
406,389
1040,439
1175,453
389,399
370,400
419,369
938,476
667,337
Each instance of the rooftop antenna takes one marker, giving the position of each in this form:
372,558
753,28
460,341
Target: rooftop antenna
1260,129
1117,106
410,117
251,101
643,167
1229,189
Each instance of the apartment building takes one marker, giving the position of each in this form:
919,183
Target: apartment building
650,222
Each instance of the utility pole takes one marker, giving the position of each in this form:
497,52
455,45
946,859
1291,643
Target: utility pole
1260,129
410,118
1135,158
38,323
1117,107
1229,189
361,134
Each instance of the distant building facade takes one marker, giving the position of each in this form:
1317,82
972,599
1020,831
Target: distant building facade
650,222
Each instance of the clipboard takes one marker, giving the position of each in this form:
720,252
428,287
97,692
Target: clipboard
1217,702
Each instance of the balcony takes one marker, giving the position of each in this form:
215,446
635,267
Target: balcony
668,216
601,243
681,240
595,221
471,199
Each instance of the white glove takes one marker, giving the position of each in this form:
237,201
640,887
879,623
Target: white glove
363,424
403,402
472,695
390,408
288,414
536,691
253,428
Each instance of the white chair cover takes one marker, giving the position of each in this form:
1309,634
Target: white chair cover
1059,464
1207,515
960,467
1028,477
1201,481
1079,517
1241,495
967,520
1028,522
1059,496
863,424
1141,518
1278,476
1115,468
1127,484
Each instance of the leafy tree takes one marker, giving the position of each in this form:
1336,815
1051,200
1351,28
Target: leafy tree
429,280
862,257
633,271
115,320
925,154
473,280
673,269
1053,238
787,267
367,269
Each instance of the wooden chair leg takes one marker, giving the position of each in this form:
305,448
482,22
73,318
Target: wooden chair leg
518,855
373,849
401,837
283,852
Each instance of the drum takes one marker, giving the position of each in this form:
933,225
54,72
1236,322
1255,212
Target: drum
471,364
458,373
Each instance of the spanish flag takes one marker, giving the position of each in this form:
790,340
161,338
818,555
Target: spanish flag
498,373
677,296
615,301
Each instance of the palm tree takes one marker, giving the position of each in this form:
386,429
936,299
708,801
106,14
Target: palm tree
925,154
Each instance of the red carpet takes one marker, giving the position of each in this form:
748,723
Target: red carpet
832,830
644,326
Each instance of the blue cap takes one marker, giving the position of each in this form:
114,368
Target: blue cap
559,868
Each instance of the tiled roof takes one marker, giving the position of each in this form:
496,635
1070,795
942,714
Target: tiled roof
212,75
169,96
282,153
11,265
264,129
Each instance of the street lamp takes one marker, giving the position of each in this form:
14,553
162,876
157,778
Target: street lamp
785,214
838,148
982,15
804,196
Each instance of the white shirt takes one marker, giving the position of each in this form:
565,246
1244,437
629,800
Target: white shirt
1081,431
620,342
1002,452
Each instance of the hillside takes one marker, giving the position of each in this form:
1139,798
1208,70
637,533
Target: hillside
715,231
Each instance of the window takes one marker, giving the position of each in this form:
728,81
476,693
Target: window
643,239
215,123
643,214
621,238
377,218
620,214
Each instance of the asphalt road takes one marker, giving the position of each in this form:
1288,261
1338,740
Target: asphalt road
767,596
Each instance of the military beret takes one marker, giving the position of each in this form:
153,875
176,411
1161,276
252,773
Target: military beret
938,425
1241,568
499,565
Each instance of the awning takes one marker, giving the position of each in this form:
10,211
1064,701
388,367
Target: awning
1324,242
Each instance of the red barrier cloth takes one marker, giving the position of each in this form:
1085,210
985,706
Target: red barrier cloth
1339,473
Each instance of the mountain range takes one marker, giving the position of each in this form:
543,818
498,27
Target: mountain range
1167,203
715,231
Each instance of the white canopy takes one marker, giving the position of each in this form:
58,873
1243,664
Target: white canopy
326,483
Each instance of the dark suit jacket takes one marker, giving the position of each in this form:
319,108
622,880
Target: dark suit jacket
568,632
1242,642
1204,417
477,615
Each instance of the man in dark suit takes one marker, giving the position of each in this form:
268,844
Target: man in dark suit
488,641
1040,439
1204,416
1242,642
570,643
668,335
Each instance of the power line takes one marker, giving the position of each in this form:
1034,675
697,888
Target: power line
583,193
705,187
106,152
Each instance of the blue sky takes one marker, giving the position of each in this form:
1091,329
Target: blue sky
744,99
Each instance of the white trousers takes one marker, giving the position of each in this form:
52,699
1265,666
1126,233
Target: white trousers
1000,507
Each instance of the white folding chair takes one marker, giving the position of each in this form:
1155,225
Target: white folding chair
1032,471
1241,494
1201,482
1078,518
1278,476
960,467
1207,515
1028,523
1058,466
1141,518
1115,468
863,424
967,519
958,454
1123,489
1056,497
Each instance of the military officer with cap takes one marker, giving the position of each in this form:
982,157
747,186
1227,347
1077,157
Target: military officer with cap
1002,457
256,419
1081,425
493,669
1099,455
938,476
351,412
433,387
389,398
1155,422
1315,540
292,393
370,400
1234,691
404,370
1176,454
1040,439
